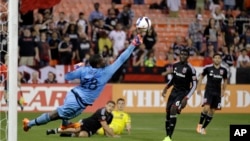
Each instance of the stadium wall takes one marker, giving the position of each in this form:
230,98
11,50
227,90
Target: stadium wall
140,98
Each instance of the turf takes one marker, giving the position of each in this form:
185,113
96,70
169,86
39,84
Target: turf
145,127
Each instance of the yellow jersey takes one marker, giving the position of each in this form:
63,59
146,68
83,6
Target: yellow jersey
119,122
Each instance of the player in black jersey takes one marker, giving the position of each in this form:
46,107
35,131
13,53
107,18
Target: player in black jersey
214,90
184,83
88,126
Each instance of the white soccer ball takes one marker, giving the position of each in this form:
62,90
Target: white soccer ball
143,23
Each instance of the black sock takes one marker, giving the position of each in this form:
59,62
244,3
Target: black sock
52,131
167,123
66,135
207,121
202,117
172,124
167,128
56,130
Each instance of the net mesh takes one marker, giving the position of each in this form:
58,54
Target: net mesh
3,70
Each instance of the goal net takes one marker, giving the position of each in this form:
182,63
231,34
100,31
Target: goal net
3,51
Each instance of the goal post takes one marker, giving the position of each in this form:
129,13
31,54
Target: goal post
12,68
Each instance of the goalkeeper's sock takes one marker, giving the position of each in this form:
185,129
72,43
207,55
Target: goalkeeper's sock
207,121
42,119
202,117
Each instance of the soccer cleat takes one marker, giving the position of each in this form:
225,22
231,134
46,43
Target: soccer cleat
50,131
70,125
198,128
25,124
137,40
167,139
203,131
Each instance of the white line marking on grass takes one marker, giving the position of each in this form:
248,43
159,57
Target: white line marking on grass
150,129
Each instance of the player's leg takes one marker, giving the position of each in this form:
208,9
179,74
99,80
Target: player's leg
83,134
206,107
215,104
69,110
167,120
176,101
41,120
61,131
208,119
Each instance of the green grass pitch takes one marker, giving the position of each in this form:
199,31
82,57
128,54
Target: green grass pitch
145,127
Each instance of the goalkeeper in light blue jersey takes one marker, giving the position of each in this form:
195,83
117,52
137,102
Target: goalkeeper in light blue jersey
93,78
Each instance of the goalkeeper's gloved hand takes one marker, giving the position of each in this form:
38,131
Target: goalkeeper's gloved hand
137,40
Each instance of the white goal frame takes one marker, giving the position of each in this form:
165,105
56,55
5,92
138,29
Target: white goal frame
12,68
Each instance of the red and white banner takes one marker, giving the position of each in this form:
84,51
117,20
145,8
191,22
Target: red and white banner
140,98
47,97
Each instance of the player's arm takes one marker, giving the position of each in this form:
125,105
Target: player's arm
194,83
192,89
74,74
120,60
169,84
107,129
124,56
128,123
201,77
224,85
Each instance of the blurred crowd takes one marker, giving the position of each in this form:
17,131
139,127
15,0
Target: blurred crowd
45,40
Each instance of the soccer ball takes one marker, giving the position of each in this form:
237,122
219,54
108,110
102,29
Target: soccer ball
143,24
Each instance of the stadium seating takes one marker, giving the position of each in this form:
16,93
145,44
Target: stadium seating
166,28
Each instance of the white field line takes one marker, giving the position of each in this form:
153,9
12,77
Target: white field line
157,129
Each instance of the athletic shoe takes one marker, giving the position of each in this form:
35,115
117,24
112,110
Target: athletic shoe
203,131
70,125
167,139
25,124
50,131
198,128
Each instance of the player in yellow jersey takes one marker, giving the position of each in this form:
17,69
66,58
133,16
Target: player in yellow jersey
121,120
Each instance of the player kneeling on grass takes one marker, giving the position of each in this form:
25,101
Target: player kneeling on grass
88,126
120,121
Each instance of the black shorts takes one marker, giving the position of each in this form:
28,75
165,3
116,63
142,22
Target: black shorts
175,99
84,127
213,99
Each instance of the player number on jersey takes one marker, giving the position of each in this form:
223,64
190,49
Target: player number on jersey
89,83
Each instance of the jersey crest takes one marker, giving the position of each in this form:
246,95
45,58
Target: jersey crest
221,72
103,117
184,70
